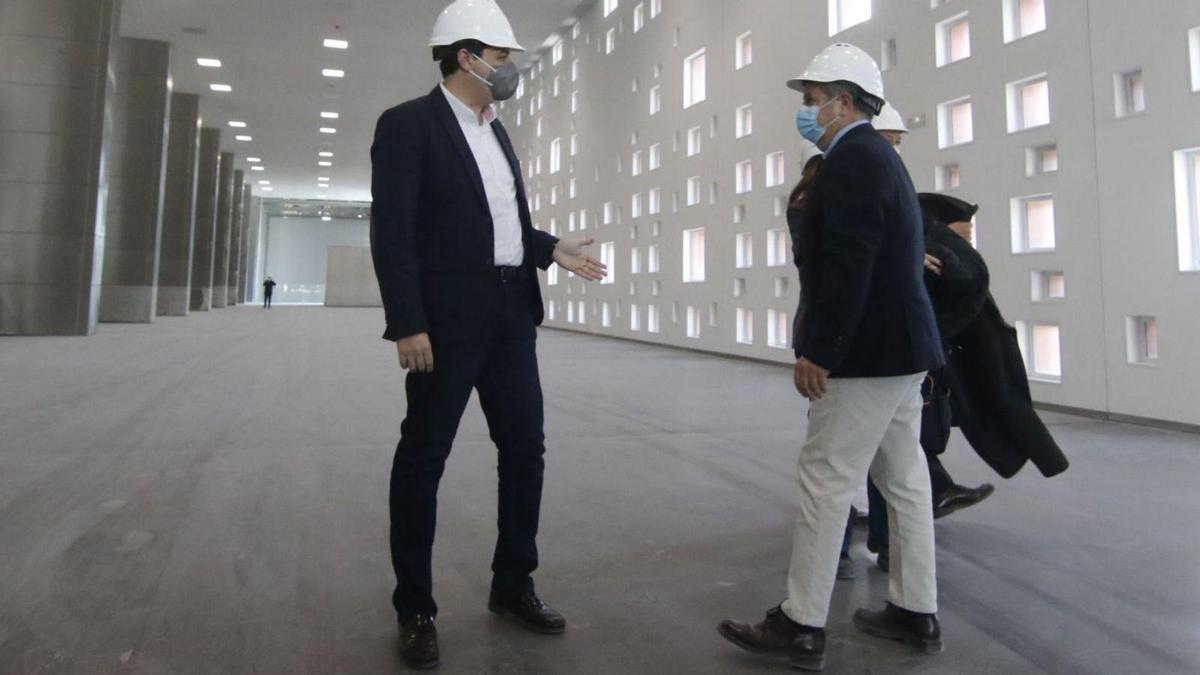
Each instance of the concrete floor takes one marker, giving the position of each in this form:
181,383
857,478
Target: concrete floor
209,495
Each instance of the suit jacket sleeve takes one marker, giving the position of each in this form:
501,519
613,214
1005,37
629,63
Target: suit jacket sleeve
851,235
397,157
542,248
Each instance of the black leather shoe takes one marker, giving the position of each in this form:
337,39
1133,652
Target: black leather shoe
958,497
893,623
535,614
778,635
418,643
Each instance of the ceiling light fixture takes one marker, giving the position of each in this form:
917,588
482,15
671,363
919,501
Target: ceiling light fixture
324,163
325,153
220,87
329,115
266,189
209,63
237,125
333,72
326,218
336,44
244,139
253,160
257,168
264,182
328,130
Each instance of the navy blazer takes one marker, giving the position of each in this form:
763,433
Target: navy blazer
432,237
869,314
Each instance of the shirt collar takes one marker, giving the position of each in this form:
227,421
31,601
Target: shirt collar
463,112
842,132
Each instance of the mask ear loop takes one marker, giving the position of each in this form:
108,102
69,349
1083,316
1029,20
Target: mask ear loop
476,75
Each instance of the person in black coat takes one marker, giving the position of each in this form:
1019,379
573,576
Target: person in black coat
268,291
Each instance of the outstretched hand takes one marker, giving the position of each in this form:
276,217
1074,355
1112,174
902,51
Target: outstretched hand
570,256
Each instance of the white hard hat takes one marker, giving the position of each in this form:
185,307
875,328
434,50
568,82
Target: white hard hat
889,119
842,62
480,20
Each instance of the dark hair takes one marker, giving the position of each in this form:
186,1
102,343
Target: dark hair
863,102
447,57
807,176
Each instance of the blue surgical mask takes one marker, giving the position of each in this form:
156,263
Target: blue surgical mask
807,124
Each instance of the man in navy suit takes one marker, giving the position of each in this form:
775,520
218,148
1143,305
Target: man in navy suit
455,254
866,339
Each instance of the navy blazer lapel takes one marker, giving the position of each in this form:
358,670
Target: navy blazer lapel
445,115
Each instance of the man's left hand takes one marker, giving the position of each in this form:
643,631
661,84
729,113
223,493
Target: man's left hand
570,256
810,379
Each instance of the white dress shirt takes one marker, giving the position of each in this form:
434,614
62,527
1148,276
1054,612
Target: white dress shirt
498,181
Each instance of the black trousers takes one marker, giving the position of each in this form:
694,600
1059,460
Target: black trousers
500,361
267,301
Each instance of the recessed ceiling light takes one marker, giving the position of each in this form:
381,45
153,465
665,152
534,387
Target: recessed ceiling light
324,153
238,125
328,130
264,182
336,44
267,189
329,115
326,218
209,63
220,87
324,163
257,168
253,160
244,139
333,72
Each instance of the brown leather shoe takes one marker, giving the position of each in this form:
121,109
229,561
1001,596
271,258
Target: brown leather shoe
778,635
418,643
535,614
894,623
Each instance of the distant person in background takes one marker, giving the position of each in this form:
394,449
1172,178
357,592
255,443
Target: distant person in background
268,289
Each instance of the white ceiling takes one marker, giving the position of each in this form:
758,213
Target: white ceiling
272,55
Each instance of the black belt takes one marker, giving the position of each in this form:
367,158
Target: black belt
506,273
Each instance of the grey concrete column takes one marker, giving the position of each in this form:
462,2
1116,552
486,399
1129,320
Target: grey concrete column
137,170
235,239
179,206
55,121
244,274
220,292
207,179
253,235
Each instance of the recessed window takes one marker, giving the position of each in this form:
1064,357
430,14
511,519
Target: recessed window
1187,208
1040,160
581,313
887,54
777,247
712,192
1141,339
655,156
609,212
1129,93
605,316
655,99
652,318
953,39
1194,56
635,261
739,214
745,326
775,168
610,6
608,257
693,255
556,53
743,51
744,125
1041,349
633,86
693,191
636,164
712,314
639,16
947,177
781,286
1033,224
956,125
694,82
1049,286
653,262
575,70
572,189
693,141
846,13
1023,18
555,155
739,287
744,177
777,329
693,323
635,318
610,41
574,145
574,101
635,206
744,250
655,8
654,205
1028,103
